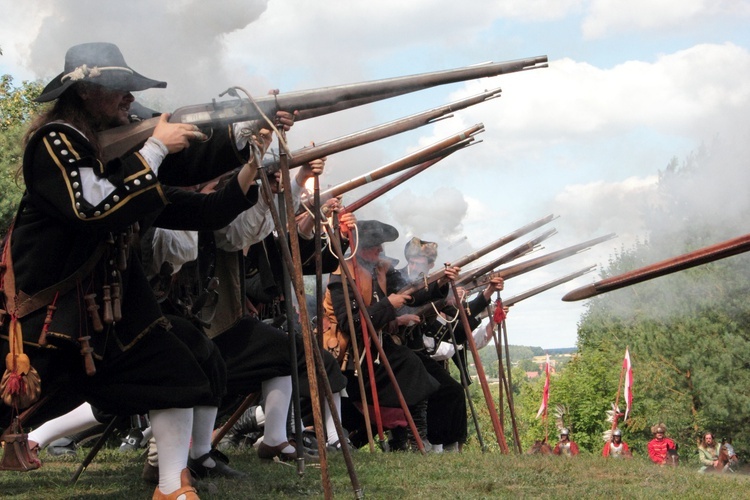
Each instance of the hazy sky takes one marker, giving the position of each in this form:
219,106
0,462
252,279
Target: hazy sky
631,85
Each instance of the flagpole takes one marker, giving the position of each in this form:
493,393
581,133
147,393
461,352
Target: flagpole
546,427
545,401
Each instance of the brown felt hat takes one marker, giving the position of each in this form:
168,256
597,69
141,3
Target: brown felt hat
420,248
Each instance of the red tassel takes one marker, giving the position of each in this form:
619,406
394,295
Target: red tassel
15,383
499,315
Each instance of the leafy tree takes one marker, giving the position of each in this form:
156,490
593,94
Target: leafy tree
16,109
528,366
688,332
519,352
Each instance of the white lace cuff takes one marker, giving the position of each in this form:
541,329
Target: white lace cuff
243,131
154,151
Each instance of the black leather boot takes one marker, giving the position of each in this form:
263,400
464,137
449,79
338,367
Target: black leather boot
419,415
67,445
243,431
399,439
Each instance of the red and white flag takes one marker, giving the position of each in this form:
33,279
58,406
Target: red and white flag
628,369
545,393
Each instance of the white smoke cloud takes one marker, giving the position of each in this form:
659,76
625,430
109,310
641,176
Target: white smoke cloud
437,215
617,205
181,42
682,93
605,18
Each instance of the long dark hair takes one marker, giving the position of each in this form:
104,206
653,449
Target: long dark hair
703,443
70,108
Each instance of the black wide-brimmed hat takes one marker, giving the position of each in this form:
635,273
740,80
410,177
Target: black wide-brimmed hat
373,233
100,63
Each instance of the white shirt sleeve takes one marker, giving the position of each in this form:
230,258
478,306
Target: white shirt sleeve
481,337
175,247
95,189
252,225
248,228
154,151
243,131
297,191
445,350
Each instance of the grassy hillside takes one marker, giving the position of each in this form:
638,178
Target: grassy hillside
395,475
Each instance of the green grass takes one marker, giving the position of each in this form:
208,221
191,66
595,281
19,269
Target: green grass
469,475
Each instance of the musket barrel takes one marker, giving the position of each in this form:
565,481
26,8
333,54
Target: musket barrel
372,134
502,241
484,251
308,103
510,301
691,259
407,161
507,257
361,202
339,97
427,162
543,260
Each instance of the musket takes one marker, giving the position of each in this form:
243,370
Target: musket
685,261
531,264
515,299
304,155
510,301
435,151
515,253
308,103
481,252
372,134
427,311
405,176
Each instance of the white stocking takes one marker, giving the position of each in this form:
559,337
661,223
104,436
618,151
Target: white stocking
277,393
332,436
204,418
172,430
77,420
